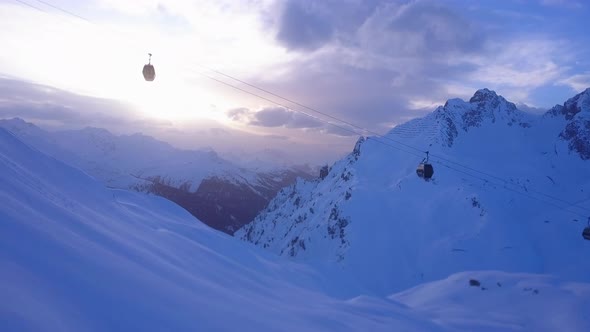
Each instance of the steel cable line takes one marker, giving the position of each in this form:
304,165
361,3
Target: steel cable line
397,148
290,108
364,130
563,208
31,6
506,182
64,11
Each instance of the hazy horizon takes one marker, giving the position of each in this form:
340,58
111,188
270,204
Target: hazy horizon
374,64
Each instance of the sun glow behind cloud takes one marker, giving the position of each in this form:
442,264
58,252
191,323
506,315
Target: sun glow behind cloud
371,63
104,59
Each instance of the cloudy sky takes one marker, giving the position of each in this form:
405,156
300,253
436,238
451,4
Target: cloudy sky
73,63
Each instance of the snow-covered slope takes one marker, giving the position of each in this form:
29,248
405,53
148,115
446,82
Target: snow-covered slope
186,177
372,220
498,301
76,256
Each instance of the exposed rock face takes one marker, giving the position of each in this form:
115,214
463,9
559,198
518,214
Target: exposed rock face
222,203
576,112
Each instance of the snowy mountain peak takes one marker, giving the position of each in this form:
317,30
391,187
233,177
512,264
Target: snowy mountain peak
486,99
579,103
486,95
485,103
487,106
97,131
19,125
16,122
576,112
372,204
457,117
483,95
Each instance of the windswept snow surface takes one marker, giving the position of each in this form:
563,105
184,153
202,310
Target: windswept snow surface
220,193
75,256
502,302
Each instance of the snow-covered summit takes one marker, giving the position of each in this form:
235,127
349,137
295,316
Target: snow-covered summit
457,117
485,95
486,104
580,103
372,204
576,114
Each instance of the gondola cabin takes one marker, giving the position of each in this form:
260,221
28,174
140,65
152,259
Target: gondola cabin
149,73
425,169
586,233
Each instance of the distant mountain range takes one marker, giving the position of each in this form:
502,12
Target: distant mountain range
220,193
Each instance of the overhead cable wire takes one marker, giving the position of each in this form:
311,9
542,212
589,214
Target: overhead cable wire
435,156
363,130
397,148
64,11
290,108
563,208
31,6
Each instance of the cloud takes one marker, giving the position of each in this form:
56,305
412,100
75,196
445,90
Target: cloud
420,29
530,109
274,116
368,97
307,25
300,120
394,58
36,102
277,137
390,28
218,132
369,62
304,25
571,4
379,56
578,82
238,114
341,130
519,63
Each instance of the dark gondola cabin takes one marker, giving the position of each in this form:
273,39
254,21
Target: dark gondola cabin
586,233
149,73
424,169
